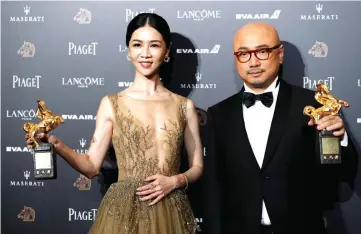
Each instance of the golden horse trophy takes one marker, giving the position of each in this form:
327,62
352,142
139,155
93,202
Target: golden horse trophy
330,147
44,156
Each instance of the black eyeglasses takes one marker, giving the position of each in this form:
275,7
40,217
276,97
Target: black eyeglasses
261,54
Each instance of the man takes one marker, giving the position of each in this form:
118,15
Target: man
263,165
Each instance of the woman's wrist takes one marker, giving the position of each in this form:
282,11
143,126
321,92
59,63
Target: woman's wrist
181,181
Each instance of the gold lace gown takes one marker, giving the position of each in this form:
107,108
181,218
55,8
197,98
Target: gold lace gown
147,138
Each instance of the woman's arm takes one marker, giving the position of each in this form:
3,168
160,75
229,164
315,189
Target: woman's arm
89,164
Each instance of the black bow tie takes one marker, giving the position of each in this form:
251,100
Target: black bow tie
250,98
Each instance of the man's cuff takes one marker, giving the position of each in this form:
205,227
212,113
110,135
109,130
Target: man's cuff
344,141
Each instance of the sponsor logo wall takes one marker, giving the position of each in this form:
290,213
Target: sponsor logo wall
71,54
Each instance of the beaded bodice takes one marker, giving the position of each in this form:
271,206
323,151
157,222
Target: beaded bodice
148,135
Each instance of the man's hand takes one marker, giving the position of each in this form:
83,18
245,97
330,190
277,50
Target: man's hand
330,123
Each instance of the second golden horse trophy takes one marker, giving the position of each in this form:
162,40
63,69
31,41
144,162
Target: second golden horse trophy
330,145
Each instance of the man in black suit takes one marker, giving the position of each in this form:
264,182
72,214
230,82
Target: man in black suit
263,165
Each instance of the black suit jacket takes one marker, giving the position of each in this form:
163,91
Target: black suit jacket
295,186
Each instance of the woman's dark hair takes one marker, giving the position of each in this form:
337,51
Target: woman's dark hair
153,20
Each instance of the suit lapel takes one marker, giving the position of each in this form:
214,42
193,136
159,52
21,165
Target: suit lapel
279,121
243,148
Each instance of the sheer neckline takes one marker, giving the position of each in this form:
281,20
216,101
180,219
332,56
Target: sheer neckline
142,99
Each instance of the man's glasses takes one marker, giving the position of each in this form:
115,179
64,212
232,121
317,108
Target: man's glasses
261,54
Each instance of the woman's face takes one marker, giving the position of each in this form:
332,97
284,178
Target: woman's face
147,50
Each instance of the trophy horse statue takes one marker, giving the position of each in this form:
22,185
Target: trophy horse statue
48,122
44,155
331,105
330,148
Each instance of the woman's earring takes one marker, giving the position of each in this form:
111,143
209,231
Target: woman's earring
166,59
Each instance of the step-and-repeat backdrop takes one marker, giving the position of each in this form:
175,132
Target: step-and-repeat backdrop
71,54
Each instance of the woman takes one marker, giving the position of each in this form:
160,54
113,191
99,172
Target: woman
147,125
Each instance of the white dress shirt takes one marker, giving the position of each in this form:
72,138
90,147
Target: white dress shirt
257,120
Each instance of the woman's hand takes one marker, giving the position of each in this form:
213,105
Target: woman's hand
159,188
42,137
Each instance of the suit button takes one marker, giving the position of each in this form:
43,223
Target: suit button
267,177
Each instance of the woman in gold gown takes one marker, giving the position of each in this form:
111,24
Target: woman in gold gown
148,125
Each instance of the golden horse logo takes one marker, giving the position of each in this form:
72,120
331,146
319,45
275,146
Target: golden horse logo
82,183
27,49
27,214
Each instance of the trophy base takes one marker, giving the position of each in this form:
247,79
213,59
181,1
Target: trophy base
330,148
44,159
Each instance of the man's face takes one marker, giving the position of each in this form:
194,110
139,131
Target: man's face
260,68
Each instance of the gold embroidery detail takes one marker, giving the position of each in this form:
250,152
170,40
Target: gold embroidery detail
175,140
